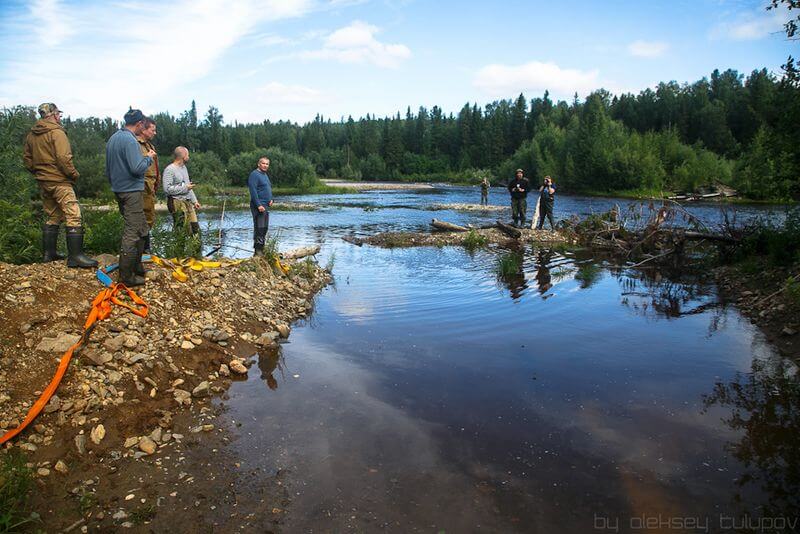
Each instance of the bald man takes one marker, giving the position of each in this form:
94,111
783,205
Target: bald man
176,184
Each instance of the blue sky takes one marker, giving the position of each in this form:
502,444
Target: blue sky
292,59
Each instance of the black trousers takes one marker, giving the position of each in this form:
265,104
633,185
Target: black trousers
545,210
260,227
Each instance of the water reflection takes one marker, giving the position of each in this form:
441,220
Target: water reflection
765,408
268,363
511,274
652,294
543,277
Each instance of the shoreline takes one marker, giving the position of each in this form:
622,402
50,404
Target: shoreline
141,392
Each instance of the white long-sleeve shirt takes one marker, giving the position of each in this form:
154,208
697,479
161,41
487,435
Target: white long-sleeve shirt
176,183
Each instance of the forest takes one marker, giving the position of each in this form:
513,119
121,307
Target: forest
728,128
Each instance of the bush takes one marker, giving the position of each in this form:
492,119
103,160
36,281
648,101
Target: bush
473,240
20,233
285,170
207,168
175,242
779,244
102,231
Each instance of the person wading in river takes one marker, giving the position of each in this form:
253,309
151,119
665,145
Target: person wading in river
485,185
519,187
125,168
546,200
48,156
151,176
177,185
260,201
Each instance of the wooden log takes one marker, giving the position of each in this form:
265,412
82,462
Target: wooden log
301,252
510,231
447,227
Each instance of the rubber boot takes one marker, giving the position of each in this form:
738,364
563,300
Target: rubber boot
75,255
258,250
49,242
127,266
138,266
147,244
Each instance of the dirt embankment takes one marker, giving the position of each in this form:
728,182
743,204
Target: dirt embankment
117,445
762,298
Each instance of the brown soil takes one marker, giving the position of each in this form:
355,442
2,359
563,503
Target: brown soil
145,388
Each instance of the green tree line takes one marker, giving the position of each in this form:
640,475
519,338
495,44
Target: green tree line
677,137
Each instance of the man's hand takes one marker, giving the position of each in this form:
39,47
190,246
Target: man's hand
151,154
262,209
197,205
270,204
190,186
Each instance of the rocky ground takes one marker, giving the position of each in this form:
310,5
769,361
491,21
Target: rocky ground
440,239
117,446
759,296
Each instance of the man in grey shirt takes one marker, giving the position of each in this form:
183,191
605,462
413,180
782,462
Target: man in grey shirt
178,186
125,168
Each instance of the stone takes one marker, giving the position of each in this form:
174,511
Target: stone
120,515
182,397
147,445
53,405
61,343
130,442
43,472
224,370
96,357
203,389
80,443
97,434
61,467
788,331
238,367
130,342
114,344
187,345
131,359
156,434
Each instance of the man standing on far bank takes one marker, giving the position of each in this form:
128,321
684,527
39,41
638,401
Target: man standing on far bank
546,200
519,187
260,201
125,168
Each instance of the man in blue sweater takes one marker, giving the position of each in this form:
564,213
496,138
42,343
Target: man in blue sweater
125,168
260,202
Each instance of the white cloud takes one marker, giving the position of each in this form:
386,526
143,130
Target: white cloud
647,48
751,26
504,80
106,67
279,93
356,43
51,22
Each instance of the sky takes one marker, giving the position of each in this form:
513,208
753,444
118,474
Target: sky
294,59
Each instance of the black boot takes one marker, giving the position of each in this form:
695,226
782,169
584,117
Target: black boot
127,268
75,255
147,244
49,242
138,266
258,250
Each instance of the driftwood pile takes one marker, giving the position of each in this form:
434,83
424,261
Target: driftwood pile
644,239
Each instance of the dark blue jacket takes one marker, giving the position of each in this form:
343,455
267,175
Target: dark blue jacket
260,189
125,164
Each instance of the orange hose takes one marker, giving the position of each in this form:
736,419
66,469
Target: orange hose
101,309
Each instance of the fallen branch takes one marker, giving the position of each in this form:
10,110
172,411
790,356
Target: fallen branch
447,227
510,231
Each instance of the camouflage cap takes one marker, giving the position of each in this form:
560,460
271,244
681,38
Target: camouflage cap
519,170
47,109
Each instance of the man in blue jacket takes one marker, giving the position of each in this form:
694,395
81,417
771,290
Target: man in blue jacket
260,202
125,168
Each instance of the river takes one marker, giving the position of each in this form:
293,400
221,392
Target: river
427,393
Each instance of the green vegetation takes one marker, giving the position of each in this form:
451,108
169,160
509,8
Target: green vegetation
174,242
15,485
588,273
473,240
509,264
103,231
777,244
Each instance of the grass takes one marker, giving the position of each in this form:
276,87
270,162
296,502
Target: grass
793,291
143,514
473,240
169,242
16,481
509,264
331,262
588,273
306,268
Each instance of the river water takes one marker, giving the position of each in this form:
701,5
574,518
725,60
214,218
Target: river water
427,393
